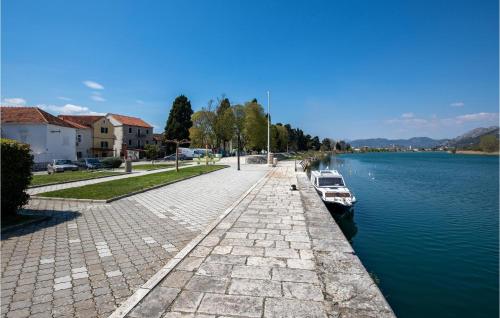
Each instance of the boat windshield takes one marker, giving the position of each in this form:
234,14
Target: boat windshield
330,182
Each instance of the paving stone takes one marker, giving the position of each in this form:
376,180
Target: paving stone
207,284
281,252
255,287
177,279
212,269
187,301
219,304
222,250
256,272
302,291
300,263
279,307
60,286
250,251
156,304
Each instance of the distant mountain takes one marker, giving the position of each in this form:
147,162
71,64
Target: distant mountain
473,137
415,142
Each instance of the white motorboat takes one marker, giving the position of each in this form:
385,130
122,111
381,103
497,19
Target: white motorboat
331,187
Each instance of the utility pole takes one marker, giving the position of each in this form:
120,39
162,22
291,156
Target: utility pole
268,131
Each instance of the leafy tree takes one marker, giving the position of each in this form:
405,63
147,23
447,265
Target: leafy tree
202,133
489,143
255,126
224,123
314,143
179,120
151,151
326,144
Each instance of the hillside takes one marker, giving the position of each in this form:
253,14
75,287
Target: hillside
473,137
415,142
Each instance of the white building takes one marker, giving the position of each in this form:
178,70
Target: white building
48,136
84,135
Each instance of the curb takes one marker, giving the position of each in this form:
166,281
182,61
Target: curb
140,293
123,195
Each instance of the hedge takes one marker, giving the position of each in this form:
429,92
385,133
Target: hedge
16,176
112,162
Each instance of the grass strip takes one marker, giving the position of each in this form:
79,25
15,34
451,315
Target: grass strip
115,188
155,166
68,176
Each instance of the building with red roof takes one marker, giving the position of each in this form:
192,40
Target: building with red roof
49,137
131,135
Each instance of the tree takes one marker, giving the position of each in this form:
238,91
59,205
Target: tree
314,143
179,120
151,151
202,133
224,123
326,144
488,143
255,126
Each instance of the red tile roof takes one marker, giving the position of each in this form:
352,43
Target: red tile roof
83,120
158,137
32,115
130,121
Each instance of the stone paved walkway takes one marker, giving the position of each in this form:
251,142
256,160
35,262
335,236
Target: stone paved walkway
136,173
277,254
88,258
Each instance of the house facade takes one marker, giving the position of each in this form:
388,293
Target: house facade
83,140
101,141
131,134
49,137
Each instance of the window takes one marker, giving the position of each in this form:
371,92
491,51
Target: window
104,130
138,131
129,130
130,142
328,182
147,142
147,131
104,144
79,138
138,143
78,154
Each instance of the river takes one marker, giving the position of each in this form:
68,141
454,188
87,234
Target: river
426,226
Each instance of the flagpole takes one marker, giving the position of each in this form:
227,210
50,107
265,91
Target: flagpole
268,130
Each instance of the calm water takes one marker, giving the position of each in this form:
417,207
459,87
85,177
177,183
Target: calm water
426,224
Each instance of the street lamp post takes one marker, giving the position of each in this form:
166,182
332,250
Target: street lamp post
268,130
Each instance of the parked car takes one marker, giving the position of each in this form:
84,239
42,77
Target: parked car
172,157
90,163
61,165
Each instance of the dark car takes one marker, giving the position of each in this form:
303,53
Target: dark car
172,157
90,163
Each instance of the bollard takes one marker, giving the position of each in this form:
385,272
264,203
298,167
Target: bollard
275,162
128,166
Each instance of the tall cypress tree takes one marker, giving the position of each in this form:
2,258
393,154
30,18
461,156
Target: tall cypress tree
179,119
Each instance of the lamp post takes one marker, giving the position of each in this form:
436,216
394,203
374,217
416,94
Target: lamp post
268,131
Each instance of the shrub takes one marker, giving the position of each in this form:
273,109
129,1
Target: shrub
112,162
16,176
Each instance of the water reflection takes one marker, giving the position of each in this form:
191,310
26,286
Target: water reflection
343,217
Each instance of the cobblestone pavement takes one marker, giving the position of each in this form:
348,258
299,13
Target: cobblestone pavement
272,256
34,191
87,258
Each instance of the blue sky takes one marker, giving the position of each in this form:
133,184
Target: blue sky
341,69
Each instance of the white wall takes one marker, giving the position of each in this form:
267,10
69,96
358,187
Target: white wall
61,142
86,142
33,134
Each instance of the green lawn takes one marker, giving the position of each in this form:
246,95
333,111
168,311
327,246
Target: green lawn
114,188
155,166
67,176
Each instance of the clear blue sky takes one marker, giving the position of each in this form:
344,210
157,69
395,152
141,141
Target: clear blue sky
342,69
